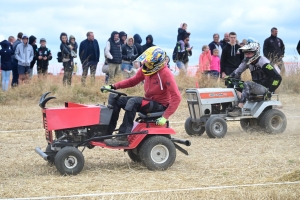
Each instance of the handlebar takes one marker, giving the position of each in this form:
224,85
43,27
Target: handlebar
113,91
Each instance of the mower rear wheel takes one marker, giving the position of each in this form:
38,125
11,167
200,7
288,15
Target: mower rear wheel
193,128
69,161
133,156
216,127
273,121
158,153
250,125
48,149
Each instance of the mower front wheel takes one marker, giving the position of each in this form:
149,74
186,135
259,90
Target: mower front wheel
69,161
158,153
216,127
193,128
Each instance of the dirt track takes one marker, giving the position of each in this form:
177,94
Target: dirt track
239,158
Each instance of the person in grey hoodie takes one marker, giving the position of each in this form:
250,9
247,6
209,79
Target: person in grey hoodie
24,54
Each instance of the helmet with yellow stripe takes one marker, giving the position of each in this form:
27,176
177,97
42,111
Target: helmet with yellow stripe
153,60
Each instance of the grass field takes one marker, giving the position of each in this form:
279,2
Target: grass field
237,159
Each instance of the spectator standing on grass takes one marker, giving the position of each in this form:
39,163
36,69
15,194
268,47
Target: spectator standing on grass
225,40
129,54
6,63
113,53
137,43
123,37
215,64
67,59
181,56
24,54
149,43
230,60
215,44
274,50
298,47
43,55
205,60
32,42
15,74
89,53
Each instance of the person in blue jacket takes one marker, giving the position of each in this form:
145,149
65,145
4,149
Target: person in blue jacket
89,54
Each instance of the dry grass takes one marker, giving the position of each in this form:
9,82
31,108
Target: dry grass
239,158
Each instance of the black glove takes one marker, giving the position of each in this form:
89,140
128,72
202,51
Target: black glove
268,95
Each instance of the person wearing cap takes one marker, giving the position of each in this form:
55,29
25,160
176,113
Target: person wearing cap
24,54
43,55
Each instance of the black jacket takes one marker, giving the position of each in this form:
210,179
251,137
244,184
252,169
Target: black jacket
44,52
179,55
181,34
121,34
137,42
83,49
223,43
231,58
298,47
212,46
6,54
129,53
148,45
115,50
65,50
34,46
273,48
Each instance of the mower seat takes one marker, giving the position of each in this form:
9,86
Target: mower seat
256,98
150,115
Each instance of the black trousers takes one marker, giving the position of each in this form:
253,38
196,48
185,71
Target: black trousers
131,105
15,73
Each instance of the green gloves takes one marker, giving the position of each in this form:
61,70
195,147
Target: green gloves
110,87
161,121
268,96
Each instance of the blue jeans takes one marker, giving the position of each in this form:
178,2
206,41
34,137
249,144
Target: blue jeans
5,79
215,73
127,66
182,66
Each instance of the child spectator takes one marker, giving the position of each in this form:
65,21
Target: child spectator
133,70
6,64
205,60
181,33
43,55
215,64
73,44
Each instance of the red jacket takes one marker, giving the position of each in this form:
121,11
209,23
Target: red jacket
160,87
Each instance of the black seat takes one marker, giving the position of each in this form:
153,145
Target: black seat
256,98
150,115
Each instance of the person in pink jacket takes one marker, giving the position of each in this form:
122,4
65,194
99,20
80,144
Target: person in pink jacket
205,60
215,64
161,94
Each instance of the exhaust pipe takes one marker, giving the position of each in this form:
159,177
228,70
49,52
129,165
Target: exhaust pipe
42,154
185,142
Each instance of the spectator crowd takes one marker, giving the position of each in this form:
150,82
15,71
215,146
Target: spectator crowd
218,58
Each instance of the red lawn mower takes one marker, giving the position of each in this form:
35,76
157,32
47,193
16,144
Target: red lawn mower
77,125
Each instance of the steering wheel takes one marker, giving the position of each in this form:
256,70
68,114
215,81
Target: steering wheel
113,91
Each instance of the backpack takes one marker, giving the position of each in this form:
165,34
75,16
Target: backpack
175,52
59,57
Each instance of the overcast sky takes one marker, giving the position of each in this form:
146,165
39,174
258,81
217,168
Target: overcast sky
161,18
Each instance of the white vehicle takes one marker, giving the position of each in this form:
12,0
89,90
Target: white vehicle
257,114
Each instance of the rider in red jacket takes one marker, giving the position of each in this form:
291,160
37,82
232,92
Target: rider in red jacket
161,94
